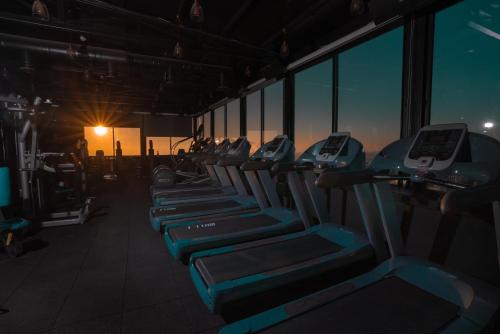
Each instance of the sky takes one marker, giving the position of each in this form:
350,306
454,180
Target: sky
466,74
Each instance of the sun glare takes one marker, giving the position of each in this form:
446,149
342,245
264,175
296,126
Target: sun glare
100,130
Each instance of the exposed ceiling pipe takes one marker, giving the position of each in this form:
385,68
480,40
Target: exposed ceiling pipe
71,28
123,11
53,48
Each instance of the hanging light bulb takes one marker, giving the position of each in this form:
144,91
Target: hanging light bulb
168,76
178,51
4,73
40,10
222,87
71,52
248,71
357,7
284,49
196,13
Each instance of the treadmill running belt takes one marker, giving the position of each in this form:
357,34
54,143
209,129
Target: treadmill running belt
260,259
389,306
221,227
183,208
191,193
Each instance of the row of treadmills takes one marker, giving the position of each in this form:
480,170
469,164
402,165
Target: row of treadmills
262,250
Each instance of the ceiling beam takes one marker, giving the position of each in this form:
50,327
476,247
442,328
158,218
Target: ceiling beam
228,28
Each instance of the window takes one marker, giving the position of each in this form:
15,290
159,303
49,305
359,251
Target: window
273,111
168,145
254,120
161,145
99,140
178,145
220,123
369,91
233,119
466,74
130,139
313,105
207,125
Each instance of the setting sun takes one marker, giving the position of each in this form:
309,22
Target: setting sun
100,130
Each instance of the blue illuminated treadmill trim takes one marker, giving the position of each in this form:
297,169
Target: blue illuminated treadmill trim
465,305
298,256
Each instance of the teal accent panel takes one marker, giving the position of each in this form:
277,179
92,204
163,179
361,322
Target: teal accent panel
5,198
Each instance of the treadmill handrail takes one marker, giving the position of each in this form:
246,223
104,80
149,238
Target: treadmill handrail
342,178
231,161
458,200
257,165
283,167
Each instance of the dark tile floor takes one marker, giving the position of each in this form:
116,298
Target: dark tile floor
110,275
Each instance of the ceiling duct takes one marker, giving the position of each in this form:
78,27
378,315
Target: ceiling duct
53,48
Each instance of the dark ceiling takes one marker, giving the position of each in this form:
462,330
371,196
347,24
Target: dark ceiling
127,63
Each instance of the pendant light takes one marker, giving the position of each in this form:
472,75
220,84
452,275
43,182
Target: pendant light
284,48
4,73
222,87
358,7
168,76
248,71
40,10
196,12
71,52
178,51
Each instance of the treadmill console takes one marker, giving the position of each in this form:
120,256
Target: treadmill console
278,149
223,146
241,147
436,147
442,153
339,150
333,147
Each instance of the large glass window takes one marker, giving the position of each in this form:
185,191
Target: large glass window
273,111
101,138
254,120
466,74
313,105
207,125
233,119
369,91
130,140
161,145
219,123
169,145
179,143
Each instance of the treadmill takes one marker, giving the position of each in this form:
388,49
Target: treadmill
223,186
407,294
188,237
279,149
228,278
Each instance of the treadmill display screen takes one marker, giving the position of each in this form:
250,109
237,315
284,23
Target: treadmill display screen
439,144
333,145
274,145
